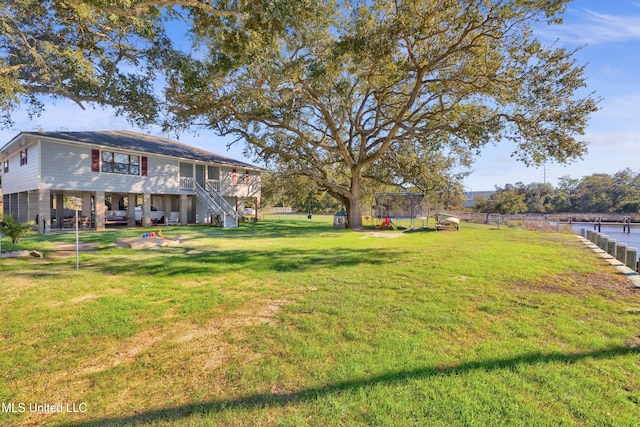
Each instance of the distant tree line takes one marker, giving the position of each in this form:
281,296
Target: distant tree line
602,193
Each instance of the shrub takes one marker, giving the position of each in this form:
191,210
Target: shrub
14,229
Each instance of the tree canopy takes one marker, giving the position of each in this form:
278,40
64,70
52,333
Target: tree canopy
325,89
329,90
89,51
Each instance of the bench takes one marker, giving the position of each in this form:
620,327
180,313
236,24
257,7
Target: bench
116,220
68,222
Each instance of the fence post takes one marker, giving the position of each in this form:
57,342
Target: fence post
632,256
611,249
621,253
603,242
595,236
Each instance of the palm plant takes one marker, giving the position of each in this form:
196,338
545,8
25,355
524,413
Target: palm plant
14,229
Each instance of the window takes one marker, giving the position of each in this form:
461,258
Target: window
23,157
246,177
234,177
126,164
213,172
5,166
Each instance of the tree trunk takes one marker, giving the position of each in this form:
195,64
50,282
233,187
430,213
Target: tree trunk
355,215
354,208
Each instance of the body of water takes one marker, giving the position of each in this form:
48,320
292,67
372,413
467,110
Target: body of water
631,239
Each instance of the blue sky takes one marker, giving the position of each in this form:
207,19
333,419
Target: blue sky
608,30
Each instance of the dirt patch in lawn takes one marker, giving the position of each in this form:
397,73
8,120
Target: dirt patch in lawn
82,247
206,341
66,250
387,235
585,284
85,297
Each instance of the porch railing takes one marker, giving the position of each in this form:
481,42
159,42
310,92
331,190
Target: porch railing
216,204
188,183
213,183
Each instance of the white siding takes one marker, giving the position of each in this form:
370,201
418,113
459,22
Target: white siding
55,165
163,176
240,188
68,167
21,178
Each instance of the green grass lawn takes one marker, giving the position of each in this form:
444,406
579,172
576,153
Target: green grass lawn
289,322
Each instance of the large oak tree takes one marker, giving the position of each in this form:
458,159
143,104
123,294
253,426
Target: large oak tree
90,51
326,89
320,88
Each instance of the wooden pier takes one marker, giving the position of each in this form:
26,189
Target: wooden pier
626,222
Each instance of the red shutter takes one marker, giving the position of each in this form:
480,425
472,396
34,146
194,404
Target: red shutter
95,160
144,165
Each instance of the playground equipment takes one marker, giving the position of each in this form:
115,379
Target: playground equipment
153,234
391,207
340,220
386,224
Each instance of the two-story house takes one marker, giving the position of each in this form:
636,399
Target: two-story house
125,172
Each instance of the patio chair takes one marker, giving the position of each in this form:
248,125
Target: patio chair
174,218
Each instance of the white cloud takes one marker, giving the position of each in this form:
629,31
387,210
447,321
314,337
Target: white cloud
623,107
615,143
617,114
590,27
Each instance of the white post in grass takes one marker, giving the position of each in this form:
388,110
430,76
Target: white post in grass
77,205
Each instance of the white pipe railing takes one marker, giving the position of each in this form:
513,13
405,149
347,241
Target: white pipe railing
213,183
187,183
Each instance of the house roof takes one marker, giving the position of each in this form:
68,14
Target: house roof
471,195
133,141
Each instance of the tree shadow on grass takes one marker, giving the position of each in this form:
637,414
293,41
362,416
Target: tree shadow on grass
269,400
188,261
182,261
277,229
